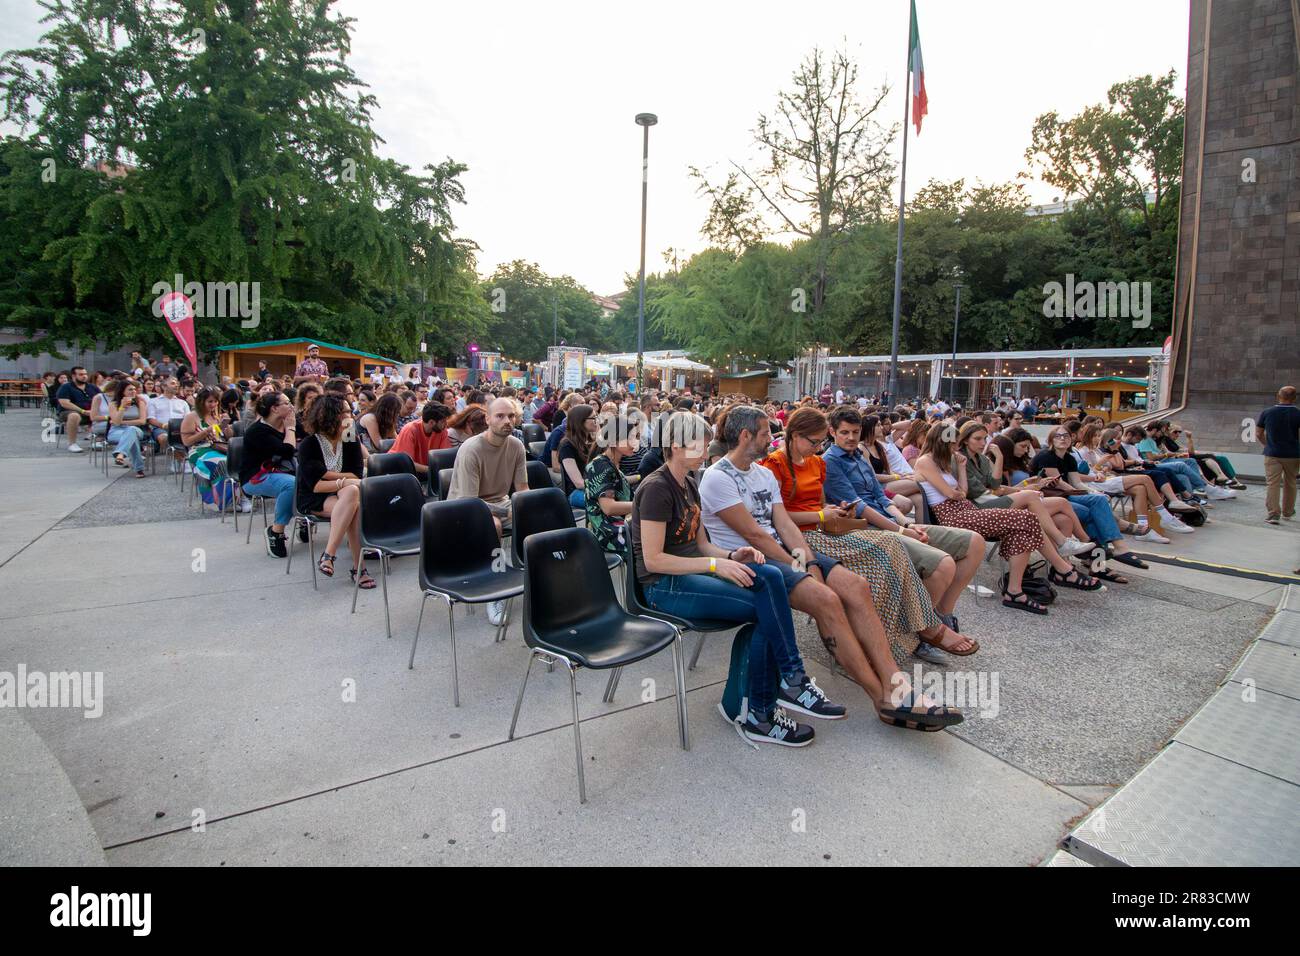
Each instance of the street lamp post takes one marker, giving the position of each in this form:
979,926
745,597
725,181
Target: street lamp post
956,319
645,121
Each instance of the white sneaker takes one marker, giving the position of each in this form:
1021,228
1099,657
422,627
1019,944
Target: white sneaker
1220,494
1072,546
980,590
496,613
1173,524
246,505
75,448
1153,536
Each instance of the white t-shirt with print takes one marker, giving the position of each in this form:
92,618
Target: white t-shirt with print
725,485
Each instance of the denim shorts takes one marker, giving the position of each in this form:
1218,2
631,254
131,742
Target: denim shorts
793,576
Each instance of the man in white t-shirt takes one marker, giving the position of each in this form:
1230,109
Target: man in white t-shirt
862,402
741,505
839,396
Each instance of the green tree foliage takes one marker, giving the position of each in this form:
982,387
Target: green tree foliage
249,157
530,311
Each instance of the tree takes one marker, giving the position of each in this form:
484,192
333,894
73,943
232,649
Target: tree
248,156
824,168
531,311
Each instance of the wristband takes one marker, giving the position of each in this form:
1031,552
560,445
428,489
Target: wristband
821,518
713,565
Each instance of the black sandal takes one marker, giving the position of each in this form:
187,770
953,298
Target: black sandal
1106,574
367,582
909,724
326,565
1080,582
1012,599
935,716
1132,560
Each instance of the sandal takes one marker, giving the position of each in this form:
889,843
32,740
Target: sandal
1106,574
1080,582
120,461
909,724
1012,599
1132,560
367,583
935,716
944,631
326,565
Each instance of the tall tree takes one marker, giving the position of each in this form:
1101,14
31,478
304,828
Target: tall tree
532,310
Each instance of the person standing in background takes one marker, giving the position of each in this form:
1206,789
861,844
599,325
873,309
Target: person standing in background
1278,430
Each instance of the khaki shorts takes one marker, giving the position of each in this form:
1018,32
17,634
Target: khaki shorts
954,542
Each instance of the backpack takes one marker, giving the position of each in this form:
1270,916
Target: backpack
1193,519
734,705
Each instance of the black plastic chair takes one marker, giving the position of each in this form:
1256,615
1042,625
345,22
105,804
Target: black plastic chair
176,449
234,461
635,601
237,429
543,509
390,463
533,432
390,523
309,522
385,444
536,449
539,476
572,617
444,483
461,562
441,458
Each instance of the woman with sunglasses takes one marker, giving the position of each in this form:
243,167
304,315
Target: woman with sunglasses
942,472
1216,468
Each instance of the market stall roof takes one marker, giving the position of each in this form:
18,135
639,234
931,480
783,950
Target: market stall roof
661,359
1083,383
304,341
597,368
757,373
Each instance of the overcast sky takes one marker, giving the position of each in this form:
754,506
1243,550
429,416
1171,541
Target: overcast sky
539,98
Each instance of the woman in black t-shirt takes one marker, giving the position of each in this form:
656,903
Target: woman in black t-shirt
576,449
329,481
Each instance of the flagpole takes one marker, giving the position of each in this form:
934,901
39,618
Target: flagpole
902,203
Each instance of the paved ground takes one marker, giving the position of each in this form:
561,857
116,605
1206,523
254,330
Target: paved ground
239,697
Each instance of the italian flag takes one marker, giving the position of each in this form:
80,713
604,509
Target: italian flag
917,73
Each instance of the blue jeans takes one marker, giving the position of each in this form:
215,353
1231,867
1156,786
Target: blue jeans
1096,517
277,486
766,602
1187,469
578,498
1016,477
128,443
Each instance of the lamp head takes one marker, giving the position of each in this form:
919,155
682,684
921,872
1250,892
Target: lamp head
646,119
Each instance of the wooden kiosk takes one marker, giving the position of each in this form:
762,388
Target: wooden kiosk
282,357
1112,398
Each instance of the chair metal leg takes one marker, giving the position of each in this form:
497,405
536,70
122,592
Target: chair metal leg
455,666
505,623
682,727
611,686
577,733
311,553
696,656
356,589
383,574
248,535
410,665
292,528
514,721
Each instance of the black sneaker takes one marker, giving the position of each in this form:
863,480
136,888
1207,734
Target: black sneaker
302,531
275,544
780,729
807,699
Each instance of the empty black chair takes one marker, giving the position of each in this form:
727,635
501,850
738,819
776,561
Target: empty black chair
390,523
441,458
237,429
176,449
536,449
533,432
571,617
386,443
461,562
390,463
539,476
444,483
234,460
543,509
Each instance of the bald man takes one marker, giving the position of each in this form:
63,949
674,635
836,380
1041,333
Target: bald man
492,463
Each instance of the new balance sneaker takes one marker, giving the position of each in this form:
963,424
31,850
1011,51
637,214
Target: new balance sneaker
1152,535
1072,546
779,729
807,698
275,544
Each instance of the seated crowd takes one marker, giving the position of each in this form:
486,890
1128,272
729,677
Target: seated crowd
871,520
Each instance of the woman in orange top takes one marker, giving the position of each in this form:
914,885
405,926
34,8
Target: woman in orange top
901,600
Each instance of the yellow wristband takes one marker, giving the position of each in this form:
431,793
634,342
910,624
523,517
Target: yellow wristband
713,565
821,518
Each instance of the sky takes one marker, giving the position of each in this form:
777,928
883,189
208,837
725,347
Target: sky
539,100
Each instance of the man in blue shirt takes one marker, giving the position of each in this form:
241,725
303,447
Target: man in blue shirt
1278,429
946,558
74,397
